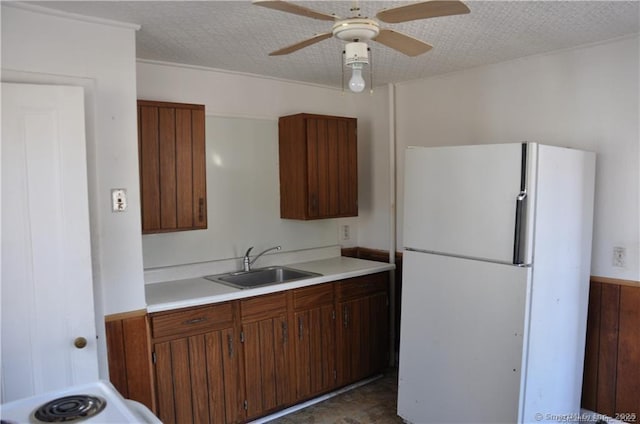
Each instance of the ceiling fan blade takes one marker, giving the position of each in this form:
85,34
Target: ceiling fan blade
402,42
284,6
292,48
422,10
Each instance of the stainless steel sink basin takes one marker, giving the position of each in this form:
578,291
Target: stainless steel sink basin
261,277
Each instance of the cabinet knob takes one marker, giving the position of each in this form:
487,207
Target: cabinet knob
80,342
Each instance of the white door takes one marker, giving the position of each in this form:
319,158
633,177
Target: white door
461,340
461,200
47,293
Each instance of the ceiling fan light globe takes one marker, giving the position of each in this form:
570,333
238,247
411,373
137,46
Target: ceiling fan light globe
356,83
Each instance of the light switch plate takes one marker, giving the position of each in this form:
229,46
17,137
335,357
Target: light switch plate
118,200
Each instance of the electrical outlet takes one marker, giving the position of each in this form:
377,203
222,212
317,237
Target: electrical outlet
118,200
619,256
345,232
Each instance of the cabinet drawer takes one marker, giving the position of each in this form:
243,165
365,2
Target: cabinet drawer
261,307
191,320
312,296
362,286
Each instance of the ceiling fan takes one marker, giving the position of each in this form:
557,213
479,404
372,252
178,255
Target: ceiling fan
357,30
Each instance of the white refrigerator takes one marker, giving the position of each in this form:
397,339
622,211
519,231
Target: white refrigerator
495,283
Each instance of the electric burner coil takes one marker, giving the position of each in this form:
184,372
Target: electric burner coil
70,408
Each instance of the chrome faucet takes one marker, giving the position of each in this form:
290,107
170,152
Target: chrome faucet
247,262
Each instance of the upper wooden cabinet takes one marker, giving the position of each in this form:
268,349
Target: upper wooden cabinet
171,143
318,166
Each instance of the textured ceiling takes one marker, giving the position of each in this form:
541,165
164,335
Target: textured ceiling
237,36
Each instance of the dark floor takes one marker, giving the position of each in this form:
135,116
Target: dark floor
372,403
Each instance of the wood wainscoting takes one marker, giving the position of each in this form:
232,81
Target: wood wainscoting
129,356
611,384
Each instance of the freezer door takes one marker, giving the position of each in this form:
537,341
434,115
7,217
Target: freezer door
461,340
464,200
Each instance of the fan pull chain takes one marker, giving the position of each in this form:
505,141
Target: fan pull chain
370,69
342,67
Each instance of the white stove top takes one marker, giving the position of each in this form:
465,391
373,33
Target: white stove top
117,410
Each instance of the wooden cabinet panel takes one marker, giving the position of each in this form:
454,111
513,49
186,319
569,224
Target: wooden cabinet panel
167,159
128,352
149,152
198,364
311,297
198,379
315,351
318,166
225,394
608,350
262,307
611,384
362,286
266,361
378,342
235,361
172,166
314,341
362,327
184,168
628,383
199,199
187,321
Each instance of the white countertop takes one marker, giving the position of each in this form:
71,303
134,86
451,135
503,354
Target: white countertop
200,291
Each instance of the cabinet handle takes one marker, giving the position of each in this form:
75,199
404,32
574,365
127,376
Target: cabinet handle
230,343
194,321
285,332
300,328
201,209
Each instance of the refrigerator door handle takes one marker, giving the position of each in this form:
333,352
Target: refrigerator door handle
519,237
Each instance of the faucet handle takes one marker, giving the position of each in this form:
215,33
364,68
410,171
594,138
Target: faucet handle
248,251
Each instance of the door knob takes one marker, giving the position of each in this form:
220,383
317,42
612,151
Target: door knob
80,342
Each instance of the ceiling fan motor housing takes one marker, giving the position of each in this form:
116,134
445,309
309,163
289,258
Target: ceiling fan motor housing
356,29
356,52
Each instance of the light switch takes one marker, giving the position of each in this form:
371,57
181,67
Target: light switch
118,200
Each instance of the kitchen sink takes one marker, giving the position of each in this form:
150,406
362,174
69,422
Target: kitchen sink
261,277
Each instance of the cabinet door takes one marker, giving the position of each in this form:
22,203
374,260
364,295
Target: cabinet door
318,166
266,361
363,341
198,379
172,166
332,167
315,351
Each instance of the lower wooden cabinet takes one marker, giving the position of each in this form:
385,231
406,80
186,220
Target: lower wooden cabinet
198,379
315,340
362,347
198,365
266,354
233,362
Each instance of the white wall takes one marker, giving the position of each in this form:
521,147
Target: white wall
243,197
37,47
584,98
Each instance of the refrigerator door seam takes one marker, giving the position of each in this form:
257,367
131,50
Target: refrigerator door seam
472,258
